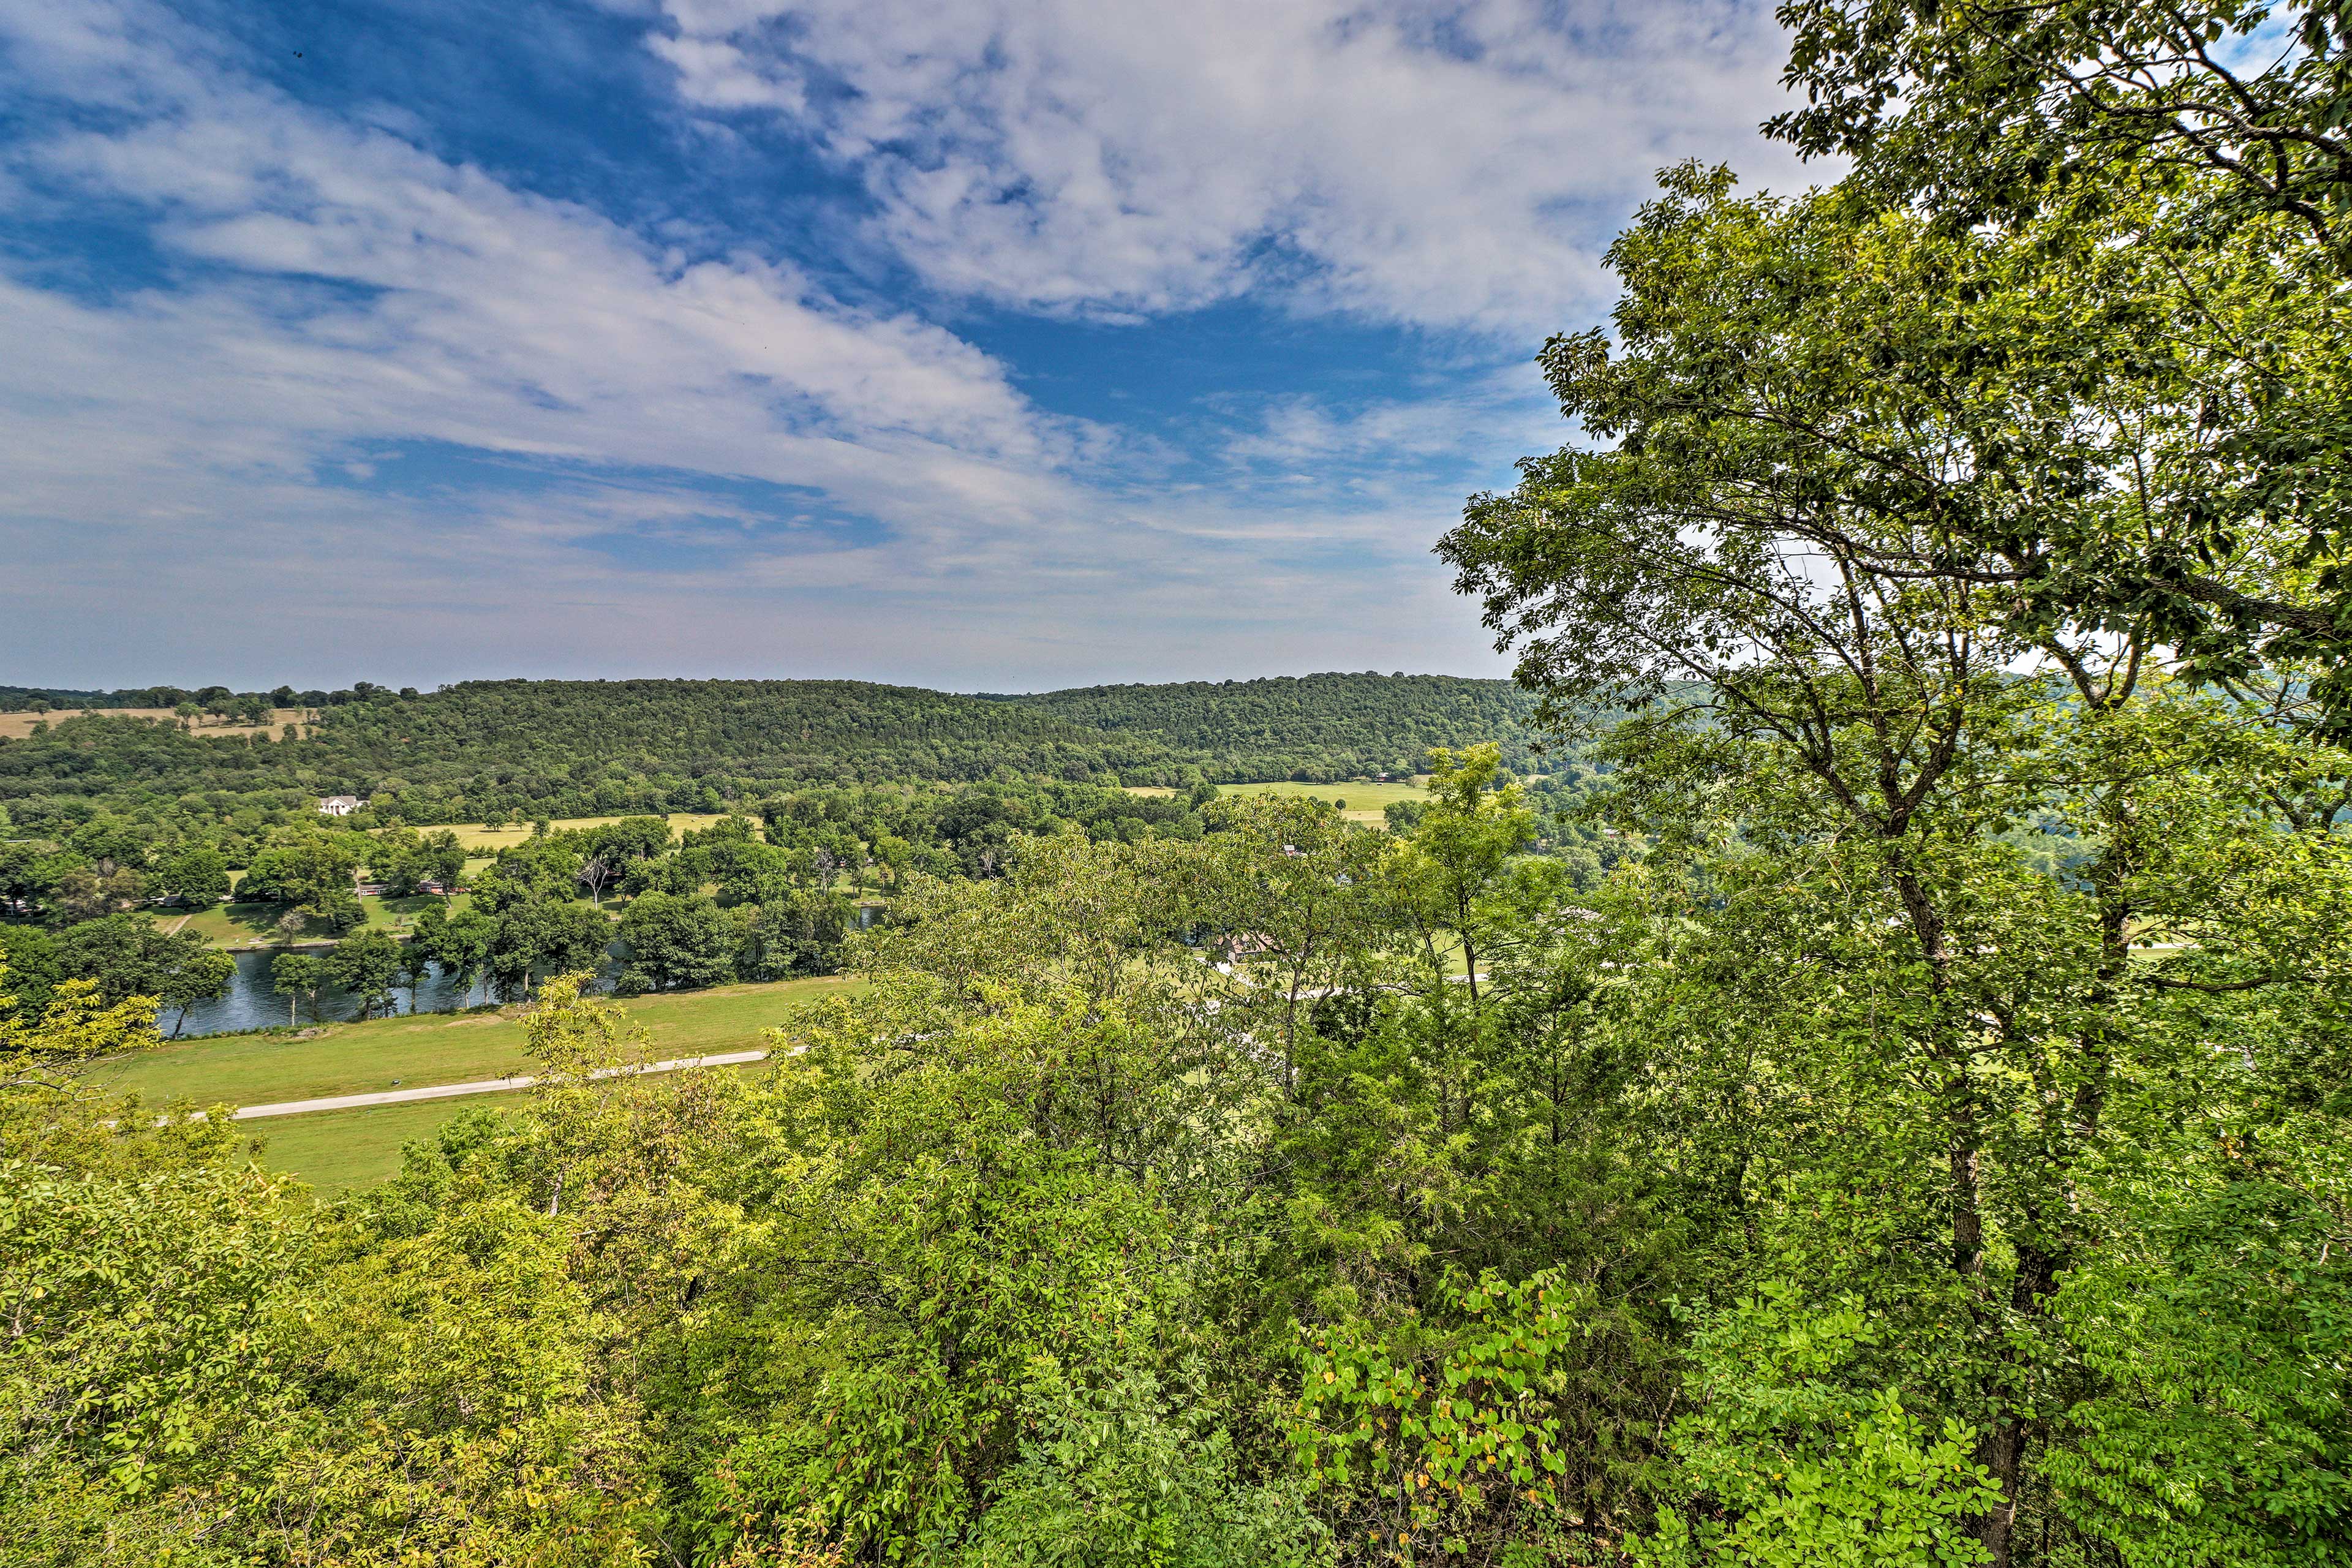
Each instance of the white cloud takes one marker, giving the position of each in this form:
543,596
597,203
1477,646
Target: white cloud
1436,164
198,466
339,284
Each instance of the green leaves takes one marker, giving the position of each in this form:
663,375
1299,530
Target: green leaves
1793,1458
1460,1425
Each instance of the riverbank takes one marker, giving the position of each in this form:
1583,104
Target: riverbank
432,1047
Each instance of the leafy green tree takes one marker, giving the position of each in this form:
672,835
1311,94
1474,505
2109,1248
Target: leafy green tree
416,960
536,871
83,893
545,937
460,944
297,976
1453,872
368,964
797,931
127,956
894,855
31,956
194,874
110,844
442,861
1294,895
676,944
1820,571
314,872
26,870
2195,153
395,861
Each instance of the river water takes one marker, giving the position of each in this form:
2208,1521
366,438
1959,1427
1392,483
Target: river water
250,1004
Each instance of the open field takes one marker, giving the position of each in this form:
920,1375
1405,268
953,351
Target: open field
433,1048
490,840
15,726
1365,801
236,926
337,1151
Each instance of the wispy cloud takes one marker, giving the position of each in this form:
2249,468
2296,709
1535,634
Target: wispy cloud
369,407
1436,164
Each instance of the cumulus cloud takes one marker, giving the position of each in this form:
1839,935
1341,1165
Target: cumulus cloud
1445,163
376,407
335,283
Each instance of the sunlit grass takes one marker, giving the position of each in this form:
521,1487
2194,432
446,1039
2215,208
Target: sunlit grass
433,1048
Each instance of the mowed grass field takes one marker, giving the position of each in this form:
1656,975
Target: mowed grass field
434,1047
337,1151
16,726
236,926
490,840
1365,802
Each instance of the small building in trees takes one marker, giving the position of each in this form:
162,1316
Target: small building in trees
341,804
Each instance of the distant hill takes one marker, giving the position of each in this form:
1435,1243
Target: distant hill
589,740
17,698
767,729
577,747
1318,727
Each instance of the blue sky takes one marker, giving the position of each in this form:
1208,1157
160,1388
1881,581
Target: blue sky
986,344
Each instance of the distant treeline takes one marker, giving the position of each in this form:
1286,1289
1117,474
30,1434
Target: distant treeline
212,699
1317,728
491,749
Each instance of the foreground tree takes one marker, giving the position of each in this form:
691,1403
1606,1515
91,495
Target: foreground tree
1823,572
2198,150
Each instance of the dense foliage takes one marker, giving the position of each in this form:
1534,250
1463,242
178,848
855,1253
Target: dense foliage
493,749
1315,727
1184,1200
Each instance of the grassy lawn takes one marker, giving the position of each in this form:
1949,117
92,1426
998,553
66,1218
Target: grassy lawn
490,840
1365,801
337,1151
434,1047
256,925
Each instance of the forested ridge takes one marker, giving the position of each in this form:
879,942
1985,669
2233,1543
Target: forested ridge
578,747
1310,726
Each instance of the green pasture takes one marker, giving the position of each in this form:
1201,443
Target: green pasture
432,1047
490,840
337,1151
1364,802
256,925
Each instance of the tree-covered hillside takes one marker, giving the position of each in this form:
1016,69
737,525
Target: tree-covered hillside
767,729
1320,727
578,747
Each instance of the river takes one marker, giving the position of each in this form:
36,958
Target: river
250,1004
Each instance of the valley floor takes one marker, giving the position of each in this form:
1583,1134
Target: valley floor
337,1150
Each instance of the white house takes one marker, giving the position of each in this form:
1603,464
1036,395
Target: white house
341,804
